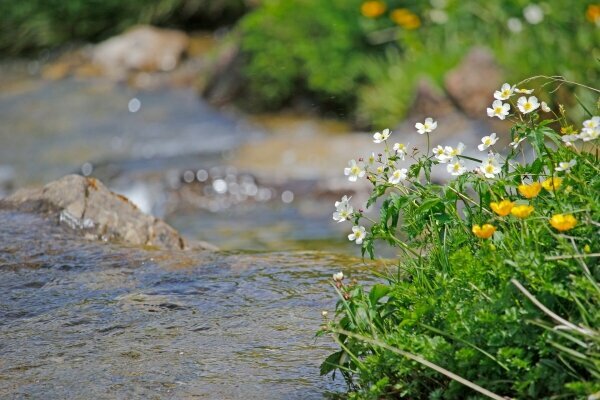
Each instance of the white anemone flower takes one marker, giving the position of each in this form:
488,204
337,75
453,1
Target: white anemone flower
498,109
569,139
344,210
397,176
487,141
426,127
354,171
566,166
490,167
527,105
505,92
442,154
380,137
456,168
454,151
588,134
400,150
545,107
338,277
358,234
591,123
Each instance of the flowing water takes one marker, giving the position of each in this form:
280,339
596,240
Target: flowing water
87,320
91,320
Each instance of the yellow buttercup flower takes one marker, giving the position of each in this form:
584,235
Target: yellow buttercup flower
372,9
502,208
522,211
551,184
405,18
483,232
530,191
563,222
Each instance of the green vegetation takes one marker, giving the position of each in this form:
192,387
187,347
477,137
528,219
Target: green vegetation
31,25
364,58
498,278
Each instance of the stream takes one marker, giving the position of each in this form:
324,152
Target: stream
84,320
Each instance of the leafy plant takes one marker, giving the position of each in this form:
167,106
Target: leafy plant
497,287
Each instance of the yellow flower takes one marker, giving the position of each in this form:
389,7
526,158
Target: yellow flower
522,211
503,208
563,222
405,18
593,13
372,9
484,231
551,184
530,191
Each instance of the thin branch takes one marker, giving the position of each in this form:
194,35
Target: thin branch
548,312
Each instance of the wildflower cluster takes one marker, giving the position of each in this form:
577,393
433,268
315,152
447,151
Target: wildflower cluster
528,212
383,170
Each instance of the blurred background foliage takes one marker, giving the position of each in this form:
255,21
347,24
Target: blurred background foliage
27,26
365,58
355,60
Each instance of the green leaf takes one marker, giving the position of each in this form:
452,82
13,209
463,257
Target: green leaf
331,363
377,292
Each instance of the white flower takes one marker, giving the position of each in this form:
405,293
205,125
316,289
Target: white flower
566,165
380,169
514,25
533,14
592,123
504,93
490,167
545,107
515,143
456,168
487,141
454,151
381,137
400,150
338,277
324,313
569,139
398,175
442,153
354,171
524,91
358,234
428,126
527,105
588,134
344,210
498,109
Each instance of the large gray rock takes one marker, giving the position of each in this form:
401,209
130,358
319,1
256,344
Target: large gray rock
86,206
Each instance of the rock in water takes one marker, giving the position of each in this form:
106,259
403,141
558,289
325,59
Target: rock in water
143,48
86,205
